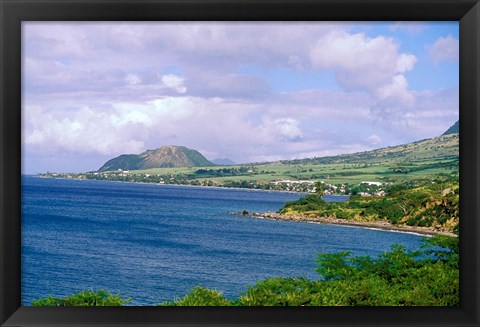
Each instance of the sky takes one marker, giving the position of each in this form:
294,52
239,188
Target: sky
246,91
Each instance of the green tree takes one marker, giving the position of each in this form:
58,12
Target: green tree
319,188
200,296
83,299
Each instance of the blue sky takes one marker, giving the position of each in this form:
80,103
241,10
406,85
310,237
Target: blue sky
245,91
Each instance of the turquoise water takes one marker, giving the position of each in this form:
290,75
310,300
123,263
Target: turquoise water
155,242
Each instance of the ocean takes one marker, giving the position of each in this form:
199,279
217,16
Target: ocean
154,243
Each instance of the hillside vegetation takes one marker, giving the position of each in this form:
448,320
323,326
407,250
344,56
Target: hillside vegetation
424,203
442,147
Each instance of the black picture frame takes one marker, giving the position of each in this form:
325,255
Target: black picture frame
13,12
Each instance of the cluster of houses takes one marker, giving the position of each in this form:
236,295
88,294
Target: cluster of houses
329,189
377,192
366,188
295,185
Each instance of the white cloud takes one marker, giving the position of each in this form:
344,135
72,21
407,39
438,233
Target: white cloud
434,111
444,49
370,64
125,128
360,62
405,62
281,129
133,79
396,91
174,82
86,131
129,127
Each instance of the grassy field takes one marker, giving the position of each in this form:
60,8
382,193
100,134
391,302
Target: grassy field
396,164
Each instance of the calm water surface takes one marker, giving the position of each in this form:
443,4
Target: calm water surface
155,242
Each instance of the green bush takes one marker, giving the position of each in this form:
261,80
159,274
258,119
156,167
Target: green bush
200,296
342,214
83,299
280,291
428,276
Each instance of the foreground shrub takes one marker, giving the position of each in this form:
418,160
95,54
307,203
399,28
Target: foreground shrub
427,277
83,299
280,291
200,296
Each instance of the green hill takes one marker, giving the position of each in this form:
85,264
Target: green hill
453,129
163,157
446,145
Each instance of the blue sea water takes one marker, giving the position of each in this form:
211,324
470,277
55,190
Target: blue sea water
156,242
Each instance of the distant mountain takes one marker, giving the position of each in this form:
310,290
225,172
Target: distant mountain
453,129
223,161
163,157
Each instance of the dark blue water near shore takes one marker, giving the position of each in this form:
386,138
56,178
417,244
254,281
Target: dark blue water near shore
155,242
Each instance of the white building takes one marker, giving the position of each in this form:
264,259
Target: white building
372,183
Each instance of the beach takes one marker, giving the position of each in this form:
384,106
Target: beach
382,225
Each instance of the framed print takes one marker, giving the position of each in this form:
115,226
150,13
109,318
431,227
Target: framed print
244,163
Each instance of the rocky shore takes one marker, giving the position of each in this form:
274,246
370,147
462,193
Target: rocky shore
384,225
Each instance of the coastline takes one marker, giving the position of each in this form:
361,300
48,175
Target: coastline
179,185
378,225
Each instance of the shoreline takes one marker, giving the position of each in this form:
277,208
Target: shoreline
377,225
184,185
